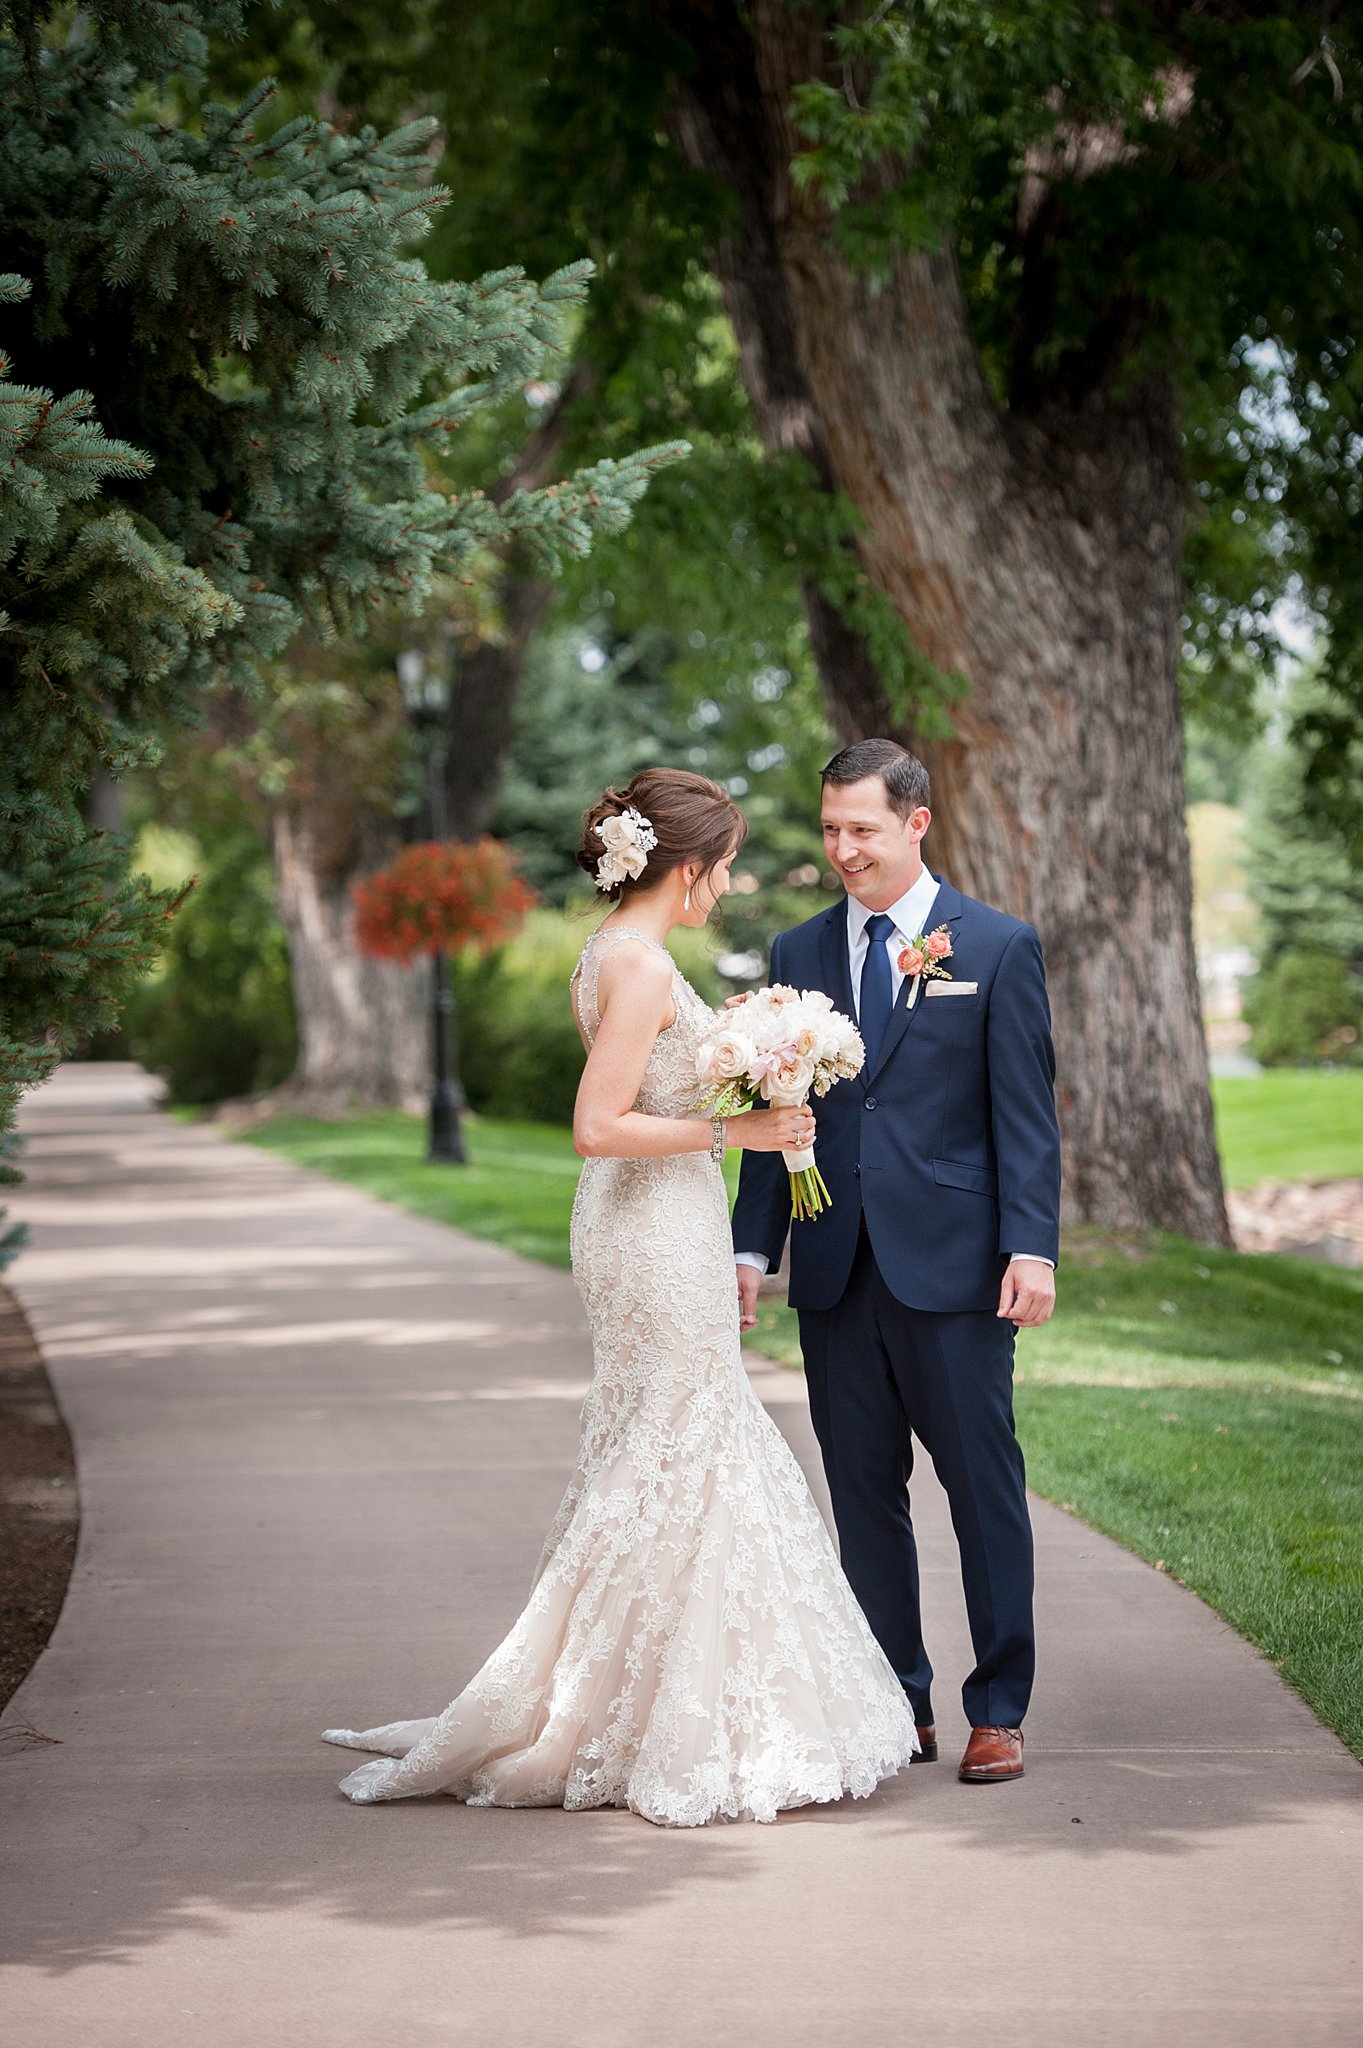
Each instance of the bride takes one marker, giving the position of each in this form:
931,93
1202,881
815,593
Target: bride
690,1649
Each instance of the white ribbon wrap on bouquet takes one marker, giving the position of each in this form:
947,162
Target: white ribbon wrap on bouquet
799,1161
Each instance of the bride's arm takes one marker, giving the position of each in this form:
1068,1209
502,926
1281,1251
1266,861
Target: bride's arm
634,997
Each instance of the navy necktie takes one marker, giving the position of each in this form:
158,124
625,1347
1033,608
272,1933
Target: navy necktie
876,1000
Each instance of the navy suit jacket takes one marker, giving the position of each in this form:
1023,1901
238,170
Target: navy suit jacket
947,1140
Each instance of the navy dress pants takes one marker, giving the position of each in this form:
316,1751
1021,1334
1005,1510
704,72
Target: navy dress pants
879,1375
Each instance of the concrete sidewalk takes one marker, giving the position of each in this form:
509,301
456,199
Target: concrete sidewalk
319,1443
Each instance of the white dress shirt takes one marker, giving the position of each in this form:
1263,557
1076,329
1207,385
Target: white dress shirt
910,916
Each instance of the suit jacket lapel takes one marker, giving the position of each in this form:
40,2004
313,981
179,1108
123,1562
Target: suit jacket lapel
946,909
837,978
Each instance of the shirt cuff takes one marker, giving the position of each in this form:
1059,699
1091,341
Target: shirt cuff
758,1259
1035,1257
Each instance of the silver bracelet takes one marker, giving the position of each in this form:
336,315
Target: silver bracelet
719,1127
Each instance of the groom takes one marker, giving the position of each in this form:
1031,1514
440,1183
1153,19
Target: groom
943,1161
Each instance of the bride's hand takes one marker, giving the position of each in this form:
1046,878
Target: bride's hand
737,1002
773,1130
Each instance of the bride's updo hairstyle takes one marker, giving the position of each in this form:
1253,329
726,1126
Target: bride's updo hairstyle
694,819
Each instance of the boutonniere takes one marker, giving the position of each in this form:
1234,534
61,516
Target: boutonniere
923,958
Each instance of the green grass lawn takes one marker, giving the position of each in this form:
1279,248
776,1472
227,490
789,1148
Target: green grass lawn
1291,1124
517,1188
1204,1408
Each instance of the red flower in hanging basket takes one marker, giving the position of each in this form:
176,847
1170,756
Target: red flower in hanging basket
441,897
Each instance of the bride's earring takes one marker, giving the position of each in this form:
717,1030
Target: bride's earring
686,900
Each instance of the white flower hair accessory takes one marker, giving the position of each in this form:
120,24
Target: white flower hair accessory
629,839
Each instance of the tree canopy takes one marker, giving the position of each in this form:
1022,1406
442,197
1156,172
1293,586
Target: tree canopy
241,375
1137,190
1175,188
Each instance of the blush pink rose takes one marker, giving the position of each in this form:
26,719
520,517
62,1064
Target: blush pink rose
788,1079
912,960
937,945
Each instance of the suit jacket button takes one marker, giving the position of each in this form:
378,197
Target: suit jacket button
857,1171
870,1102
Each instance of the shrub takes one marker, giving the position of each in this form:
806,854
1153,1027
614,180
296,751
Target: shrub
1303,1009
217,1019
519,1051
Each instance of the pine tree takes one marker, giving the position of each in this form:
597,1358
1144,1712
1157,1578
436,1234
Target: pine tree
243,369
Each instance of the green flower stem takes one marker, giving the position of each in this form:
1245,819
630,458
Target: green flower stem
809,1197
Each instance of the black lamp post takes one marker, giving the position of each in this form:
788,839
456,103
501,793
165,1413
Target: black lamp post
426,693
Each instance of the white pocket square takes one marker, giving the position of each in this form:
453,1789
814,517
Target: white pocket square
952,988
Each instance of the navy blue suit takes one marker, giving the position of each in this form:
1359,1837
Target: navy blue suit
943,1161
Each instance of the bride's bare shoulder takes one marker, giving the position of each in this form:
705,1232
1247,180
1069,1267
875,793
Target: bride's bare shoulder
634,963
638,973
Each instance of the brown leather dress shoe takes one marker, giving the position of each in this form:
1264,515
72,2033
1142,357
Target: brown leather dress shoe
992,1754
927,1741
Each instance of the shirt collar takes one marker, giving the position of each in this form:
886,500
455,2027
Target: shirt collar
908,914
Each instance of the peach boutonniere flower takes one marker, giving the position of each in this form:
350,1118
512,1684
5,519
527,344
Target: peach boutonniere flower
922,958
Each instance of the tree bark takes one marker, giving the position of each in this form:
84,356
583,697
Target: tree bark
1038,552
724,126
483,710
363,1024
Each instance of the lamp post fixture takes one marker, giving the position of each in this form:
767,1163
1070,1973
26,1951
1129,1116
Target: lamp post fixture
426,694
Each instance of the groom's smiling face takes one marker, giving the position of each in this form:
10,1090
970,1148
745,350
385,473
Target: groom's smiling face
871,849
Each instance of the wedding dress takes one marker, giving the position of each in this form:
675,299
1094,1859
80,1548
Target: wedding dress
691,1649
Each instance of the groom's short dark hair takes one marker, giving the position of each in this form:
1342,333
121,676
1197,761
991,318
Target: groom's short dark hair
903,774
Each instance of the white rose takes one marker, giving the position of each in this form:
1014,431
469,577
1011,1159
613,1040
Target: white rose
616,833
729,1055
633,860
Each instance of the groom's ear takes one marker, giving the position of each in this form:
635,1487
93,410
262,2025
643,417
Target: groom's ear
918,821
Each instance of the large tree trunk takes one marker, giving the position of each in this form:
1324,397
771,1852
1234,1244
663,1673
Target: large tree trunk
1039,553
363,1024
722,126
483,710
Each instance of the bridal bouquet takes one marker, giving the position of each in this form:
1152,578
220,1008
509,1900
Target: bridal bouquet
778,1047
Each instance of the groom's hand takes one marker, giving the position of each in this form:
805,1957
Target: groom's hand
749,1287
1027,1296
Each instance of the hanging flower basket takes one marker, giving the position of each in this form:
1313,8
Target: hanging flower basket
441,897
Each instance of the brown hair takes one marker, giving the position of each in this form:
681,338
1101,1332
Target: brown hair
693,817
903,774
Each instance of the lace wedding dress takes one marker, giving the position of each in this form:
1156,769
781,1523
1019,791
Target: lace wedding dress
691,1649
